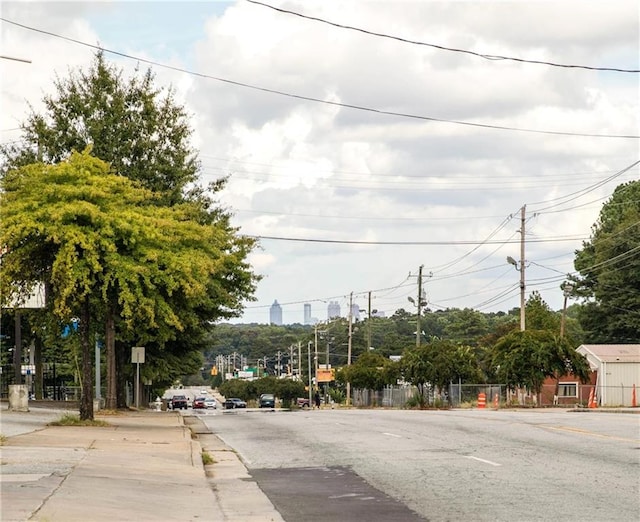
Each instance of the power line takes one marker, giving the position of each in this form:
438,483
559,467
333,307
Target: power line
578,194
492,57
417,243
318,100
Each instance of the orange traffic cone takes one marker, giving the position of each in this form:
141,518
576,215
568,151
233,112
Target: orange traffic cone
592,398
496,401
633,397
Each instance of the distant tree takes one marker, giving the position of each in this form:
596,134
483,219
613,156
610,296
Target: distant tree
464,326
524,359
539,316
288,390
438,363
609,267
239,388
370,371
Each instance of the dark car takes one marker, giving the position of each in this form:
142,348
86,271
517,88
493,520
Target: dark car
267,400
302,402
233,403
179,402
199,403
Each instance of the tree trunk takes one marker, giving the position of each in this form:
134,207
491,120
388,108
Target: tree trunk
112,382
121,382
86,397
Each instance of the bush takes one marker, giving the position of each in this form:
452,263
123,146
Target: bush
70,419
417,402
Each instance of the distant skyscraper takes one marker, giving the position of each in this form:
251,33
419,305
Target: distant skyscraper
275,313
307,313
333,310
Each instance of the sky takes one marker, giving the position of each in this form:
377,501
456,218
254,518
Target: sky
357,158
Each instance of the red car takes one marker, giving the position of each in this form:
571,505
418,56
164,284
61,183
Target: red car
198,403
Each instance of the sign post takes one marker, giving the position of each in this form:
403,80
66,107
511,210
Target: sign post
137,357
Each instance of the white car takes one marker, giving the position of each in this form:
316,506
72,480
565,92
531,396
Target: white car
210,402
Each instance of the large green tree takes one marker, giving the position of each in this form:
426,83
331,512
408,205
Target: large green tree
138,128
609,267
144,135
371,371
102,236
524,359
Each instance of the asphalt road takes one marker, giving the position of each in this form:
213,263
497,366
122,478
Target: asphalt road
333,465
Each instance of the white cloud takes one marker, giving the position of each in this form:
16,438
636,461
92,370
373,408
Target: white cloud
301,169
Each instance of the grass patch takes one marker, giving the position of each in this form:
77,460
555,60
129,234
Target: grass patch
70,419
207,459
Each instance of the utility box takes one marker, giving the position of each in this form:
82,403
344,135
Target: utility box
18,397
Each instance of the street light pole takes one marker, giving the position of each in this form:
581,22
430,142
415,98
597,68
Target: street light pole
349,347
520,268
522,263
309,368
566,290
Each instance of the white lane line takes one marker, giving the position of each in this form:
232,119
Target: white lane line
392,435
485,461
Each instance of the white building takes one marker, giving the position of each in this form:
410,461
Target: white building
618,370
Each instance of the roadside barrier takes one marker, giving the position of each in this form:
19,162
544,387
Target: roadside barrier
482,400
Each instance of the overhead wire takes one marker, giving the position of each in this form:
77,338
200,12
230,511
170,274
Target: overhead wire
486,56
319,100
575,195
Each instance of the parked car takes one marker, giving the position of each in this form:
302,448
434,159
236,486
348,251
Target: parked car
267,400
233,403
199,403
302,402
210,403
179,402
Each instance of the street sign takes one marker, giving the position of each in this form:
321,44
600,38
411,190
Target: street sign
137,354
325,375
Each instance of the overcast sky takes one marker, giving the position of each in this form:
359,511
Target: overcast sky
352,200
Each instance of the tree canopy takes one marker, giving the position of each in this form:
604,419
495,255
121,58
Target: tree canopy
609,267
131,124
526,358
91,234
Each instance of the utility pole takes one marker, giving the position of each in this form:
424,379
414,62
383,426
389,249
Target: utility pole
369,324
349,347
315,359
522,264
566,290
309,369
419,303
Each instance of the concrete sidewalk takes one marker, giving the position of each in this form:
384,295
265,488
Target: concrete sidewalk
146,466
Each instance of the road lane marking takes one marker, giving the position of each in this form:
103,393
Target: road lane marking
392,435
484,460
591,433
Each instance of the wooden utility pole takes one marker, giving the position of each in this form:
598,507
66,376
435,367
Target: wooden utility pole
369,324
349,346
522,264
419,305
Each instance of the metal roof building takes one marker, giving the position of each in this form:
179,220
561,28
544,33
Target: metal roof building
618,371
